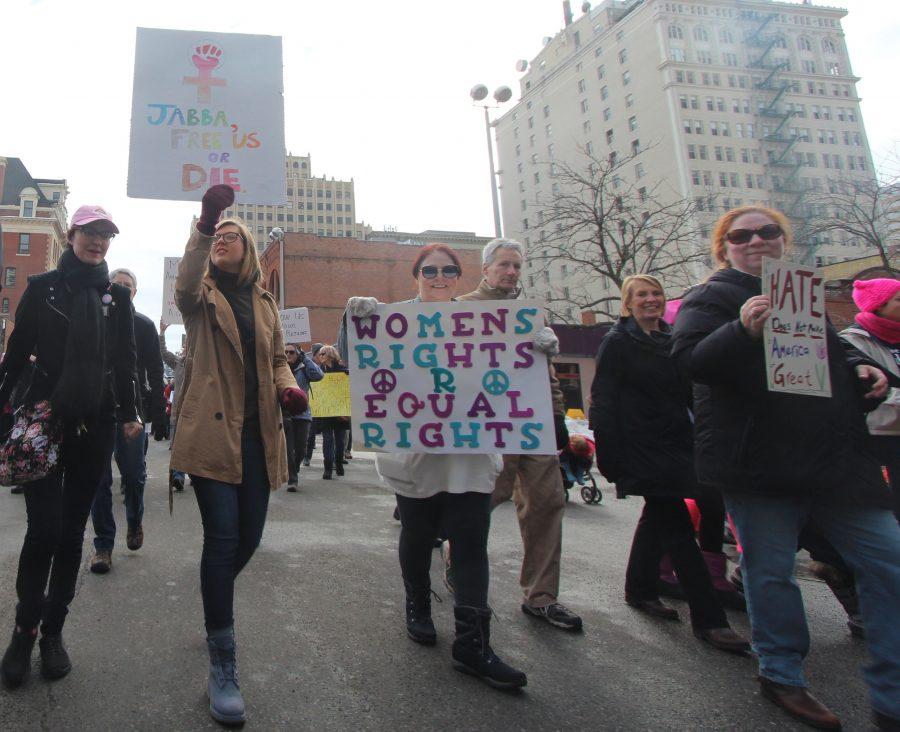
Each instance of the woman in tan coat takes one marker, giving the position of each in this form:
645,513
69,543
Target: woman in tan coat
230,436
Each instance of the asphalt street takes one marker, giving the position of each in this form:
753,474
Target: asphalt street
322,644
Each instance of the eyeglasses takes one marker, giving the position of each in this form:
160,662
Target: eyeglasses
230,238
92,232
290,352
450,271
742,236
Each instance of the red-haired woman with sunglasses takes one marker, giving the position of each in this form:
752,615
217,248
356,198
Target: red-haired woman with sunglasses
785,460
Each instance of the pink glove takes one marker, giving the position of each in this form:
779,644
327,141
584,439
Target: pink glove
294,400
215,201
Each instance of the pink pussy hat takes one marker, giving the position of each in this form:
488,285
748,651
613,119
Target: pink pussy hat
870,295
89,214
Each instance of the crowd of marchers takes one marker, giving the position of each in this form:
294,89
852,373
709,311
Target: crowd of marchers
680,410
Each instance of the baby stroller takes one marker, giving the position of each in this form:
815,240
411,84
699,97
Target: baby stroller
575,462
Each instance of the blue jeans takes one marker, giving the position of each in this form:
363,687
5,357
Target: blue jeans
233,519
131,458
867,538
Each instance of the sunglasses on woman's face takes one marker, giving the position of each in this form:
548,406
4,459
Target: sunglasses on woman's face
742,236
450,271
290,352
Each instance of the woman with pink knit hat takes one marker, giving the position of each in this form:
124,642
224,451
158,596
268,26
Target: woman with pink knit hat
877,334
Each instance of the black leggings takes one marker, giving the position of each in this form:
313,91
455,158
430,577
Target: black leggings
58,507
464,519
665,528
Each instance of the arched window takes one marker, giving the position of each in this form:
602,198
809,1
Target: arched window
726,36
828,46
274,285
676,32
700,34
803,44
780,42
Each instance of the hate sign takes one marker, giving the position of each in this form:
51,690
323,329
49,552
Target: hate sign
794,336
454,377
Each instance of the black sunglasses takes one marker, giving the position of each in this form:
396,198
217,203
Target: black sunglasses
450,271
290,352
742,236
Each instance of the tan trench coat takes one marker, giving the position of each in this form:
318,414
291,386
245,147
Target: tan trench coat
211,402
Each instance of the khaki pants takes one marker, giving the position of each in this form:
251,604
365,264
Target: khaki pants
535,485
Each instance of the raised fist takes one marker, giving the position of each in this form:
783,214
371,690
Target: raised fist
206,56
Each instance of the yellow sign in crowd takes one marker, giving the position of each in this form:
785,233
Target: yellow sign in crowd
330,397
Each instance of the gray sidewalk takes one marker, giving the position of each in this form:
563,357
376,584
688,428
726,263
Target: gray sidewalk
322,645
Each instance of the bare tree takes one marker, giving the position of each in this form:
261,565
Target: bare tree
604,222
861,209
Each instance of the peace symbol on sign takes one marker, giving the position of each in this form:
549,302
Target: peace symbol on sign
495,382
384,381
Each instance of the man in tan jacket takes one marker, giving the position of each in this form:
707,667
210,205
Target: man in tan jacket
532,481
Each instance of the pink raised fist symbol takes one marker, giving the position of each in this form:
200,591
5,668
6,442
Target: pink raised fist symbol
206,57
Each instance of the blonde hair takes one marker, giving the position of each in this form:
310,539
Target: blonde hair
629,285
329,352
250,271
720,252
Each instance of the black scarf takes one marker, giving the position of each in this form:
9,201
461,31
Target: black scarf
79,391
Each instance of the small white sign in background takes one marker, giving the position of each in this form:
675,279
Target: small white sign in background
295,325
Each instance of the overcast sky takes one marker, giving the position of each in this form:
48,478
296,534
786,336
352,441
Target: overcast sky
374,91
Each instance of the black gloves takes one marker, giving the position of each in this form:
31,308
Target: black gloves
562,432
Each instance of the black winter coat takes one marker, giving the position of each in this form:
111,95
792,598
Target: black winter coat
41,329
752,440
640,416
149,369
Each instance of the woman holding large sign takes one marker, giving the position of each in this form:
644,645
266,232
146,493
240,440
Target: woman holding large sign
784,459
642,428
230,436
448,496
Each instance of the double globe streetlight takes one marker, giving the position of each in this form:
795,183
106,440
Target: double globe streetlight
502,94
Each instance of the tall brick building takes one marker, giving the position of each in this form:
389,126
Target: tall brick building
321,272
33,226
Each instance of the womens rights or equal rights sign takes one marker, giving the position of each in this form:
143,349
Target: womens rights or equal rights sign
450,378
794,337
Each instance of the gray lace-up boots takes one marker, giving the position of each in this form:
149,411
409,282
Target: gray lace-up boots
225,701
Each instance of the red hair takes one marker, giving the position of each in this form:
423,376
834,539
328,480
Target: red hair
429,249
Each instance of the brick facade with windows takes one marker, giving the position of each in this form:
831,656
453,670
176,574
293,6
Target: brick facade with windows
33,226
322,272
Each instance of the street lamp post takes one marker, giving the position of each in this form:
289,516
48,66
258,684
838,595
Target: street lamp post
502,94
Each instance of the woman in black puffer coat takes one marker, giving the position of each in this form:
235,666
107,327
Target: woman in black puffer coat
642,428
783,460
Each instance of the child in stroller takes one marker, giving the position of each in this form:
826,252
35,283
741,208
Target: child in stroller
575,461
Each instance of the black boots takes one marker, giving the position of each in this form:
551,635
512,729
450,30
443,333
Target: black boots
55,661
418,616
17,659
327,474
472,653
16,664
339,466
